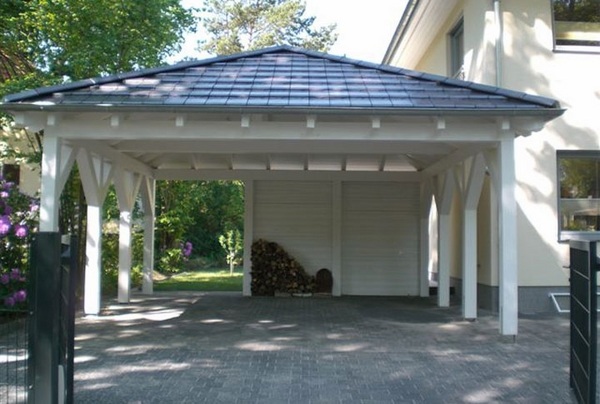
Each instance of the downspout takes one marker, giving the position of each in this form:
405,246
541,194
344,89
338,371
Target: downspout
499,45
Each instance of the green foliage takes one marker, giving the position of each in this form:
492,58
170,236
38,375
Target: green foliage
217,280
237,25
199,212
171,261
110,261
81,38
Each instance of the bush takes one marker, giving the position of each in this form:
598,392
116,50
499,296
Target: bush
110,261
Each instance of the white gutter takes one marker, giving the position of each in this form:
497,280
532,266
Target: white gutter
499,41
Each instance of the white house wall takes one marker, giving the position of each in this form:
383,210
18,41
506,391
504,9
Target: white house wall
379,230
531,65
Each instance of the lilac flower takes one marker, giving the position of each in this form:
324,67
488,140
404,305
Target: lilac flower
20,296
4,194
34,207
21,231
187,249
4,225
4,279
15,274
7,210
9,301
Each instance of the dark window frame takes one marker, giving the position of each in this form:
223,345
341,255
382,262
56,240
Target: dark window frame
456,49
565,234
575,45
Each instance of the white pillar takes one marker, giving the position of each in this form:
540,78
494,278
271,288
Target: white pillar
127,185
336,248
508,273
248,236
469,253
93,275
149,205
425,256
95,177
124,277
444,246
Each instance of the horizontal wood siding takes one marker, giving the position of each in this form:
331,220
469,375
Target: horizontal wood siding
298,216
380,238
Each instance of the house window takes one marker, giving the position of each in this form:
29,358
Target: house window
11,173
576,24
457,51
579,199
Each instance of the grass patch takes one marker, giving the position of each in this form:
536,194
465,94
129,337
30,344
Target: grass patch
206,280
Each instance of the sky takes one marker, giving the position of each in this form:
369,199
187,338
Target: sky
365,27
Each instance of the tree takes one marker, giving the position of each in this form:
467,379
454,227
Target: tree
233,244
237,25
81,38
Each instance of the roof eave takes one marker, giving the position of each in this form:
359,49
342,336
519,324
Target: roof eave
549,113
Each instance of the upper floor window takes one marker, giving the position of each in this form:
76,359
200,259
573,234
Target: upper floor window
457,51
579,199
576,23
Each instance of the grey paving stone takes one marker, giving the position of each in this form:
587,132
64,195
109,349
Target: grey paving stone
224,348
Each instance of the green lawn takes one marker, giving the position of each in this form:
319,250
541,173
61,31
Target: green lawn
206,280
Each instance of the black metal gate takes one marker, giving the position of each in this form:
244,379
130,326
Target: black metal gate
583,320
52,321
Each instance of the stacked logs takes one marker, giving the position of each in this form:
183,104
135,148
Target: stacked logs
275,271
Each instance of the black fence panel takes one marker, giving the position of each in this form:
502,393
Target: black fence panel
583,320
14,386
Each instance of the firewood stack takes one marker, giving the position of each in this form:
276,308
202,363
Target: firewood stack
274,270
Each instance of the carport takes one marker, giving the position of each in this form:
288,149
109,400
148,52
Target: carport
334,153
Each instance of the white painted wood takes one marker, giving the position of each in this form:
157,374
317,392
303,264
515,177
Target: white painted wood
444,205
380,238
95,174
336,247
56,164
298,216
311,121
425,254
92,286
286,175
248,236
148,192
469,253
127,186
508,271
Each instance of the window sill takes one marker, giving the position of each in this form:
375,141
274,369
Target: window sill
576,49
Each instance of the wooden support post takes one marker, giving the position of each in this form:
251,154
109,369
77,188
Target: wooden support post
248,236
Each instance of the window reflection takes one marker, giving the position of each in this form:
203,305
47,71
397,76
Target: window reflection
579,203
576,22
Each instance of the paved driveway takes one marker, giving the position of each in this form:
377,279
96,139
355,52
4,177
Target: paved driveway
224,348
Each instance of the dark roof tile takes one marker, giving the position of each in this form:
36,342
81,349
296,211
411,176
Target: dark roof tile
284,76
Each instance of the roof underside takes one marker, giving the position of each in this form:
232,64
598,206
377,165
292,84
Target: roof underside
310,112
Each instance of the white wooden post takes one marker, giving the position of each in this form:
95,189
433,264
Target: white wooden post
248,236
469,253
57,161
148,193
127,185
336,249
425,256
508,273
95,178
444,253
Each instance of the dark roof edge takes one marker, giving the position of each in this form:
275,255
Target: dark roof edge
506,112
542,101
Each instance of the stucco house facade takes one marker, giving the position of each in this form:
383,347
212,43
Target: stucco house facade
341,160
529,46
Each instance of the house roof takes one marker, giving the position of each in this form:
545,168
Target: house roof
282,78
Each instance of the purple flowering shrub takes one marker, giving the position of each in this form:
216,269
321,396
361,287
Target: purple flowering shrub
18,217
172,260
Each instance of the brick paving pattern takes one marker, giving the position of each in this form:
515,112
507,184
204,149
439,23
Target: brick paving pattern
224,348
